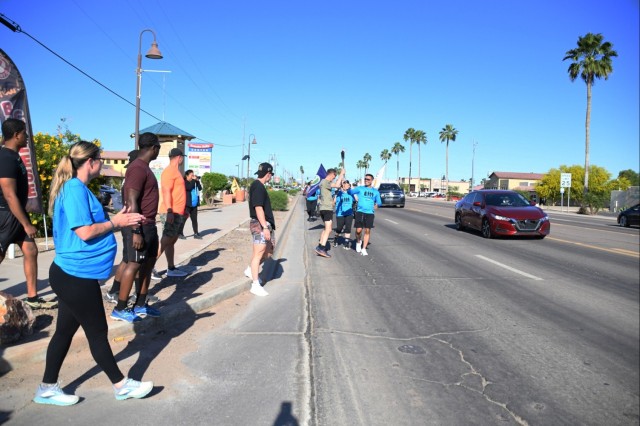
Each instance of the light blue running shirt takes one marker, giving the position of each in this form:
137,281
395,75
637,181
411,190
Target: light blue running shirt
367,198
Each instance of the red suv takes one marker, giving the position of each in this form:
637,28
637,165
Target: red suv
499,212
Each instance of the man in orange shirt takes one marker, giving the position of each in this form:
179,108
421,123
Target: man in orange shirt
172,208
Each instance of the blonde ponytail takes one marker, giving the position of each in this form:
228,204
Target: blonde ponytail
79,153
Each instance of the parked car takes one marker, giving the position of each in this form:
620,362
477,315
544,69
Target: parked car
501,212
630,216
391,194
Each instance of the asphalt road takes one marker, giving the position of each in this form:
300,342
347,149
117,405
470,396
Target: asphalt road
437,326
434,327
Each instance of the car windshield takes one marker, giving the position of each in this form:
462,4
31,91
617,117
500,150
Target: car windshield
506,200
389,186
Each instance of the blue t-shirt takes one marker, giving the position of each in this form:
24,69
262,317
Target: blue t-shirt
344,204
313,196
367,197
74,207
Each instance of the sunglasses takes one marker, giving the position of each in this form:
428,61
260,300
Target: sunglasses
368,179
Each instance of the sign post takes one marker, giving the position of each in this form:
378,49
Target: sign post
565,182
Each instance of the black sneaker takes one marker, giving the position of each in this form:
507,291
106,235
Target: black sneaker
110,297
182,237
197,236
335,242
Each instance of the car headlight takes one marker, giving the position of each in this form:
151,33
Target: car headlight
544,218
498,217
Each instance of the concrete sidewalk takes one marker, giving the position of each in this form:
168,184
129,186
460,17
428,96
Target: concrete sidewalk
213,223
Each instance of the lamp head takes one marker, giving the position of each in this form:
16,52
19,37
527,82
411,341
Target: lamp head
154,52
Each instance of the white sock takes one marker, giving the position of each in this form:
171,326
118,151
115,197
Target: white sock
256,283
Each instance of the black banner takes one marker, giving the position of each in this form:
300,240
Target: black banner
13,104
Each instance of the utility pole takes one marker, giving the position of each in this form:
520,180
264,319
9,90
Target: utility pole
473,158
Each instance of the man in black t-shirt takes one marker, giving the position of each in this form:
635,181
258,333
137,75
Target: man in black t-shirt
15,226
262,226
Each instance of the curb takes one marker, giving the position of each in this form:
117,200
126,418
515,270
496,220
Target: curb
21,355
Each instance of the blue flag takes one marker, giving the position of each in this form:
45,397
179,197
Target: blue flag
315,183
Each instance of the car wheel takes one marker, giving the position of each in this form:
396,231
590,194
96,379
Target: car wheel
486,229
402,206
459,225
624,222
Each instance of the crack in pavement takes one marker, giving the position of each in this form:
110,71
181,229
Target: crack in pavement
461,383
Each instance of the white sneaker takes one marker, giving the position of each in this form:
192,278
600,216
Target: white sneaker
358,247
53,395
258,290
132,389
364,252
247,273
156,275
176,273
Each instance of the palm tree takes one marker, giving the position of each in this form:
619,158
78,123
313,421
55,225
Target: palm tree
448,133
302,176
360,164
420,138
397,149
409,136
366,160
385,156
591,60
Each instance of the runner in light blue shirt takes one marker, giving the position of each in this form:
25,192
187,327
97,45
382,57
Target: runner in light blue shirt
344,215
368,201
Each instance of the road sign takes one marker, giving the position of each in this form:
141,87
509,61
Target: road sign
565,180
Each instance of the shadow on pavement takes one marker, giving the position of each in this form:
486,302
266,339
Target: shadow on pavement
285,416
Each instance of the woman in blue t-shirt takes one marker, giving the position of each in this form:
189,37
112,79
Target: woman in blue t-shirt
312,202
85,250
344,215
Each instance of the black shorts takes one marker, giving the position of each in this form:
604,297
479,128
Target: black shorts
364,220
11,231
326,215
343,223
149,249
172,230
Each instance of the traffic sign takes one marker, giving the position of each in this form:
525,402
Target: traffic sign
565,180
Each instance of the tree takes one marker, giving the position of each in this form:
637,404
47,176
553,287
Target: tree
448,133
301,176
409,136
396,149
360,164
420,138
600,184
631,176
212,183
385,156
590,60
366,161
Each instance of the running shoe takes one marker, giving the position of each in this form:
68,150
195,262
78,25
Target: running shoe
358,247
40,303
110,297
258,290
182,237
247,273
197,236
321,252
347,245
125,315
146,310
176,273
156,275
132,389
53,395
364,252
335,242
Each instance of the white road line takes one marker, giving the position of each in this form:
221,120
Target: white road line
389,220
502,265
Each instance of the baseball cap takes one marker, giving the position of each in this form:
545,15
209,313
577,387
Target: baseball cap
176,152
263,169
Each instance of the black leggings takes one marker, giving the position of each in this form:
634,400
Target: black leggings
192,212
79,304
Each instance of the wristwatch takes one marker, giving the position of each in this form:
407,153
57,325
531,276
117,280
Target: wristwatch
137,231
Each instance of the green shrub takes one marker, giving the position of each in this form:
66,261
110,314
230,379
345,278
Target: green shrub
212,183
279,200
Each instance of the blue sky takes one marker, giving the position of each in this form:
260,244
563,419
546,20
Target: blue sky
311,78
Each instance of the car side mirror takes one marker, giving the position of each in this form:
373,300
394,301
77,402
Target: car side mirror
533,203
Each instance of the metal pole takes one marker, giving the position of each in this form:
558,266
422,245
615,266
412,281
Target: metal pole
139,77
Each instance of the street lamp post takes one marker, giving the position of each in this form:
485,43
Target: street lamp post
153,53
238,167
473,158
251,142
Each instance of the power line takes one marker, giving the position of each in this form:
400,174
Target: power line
13,26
